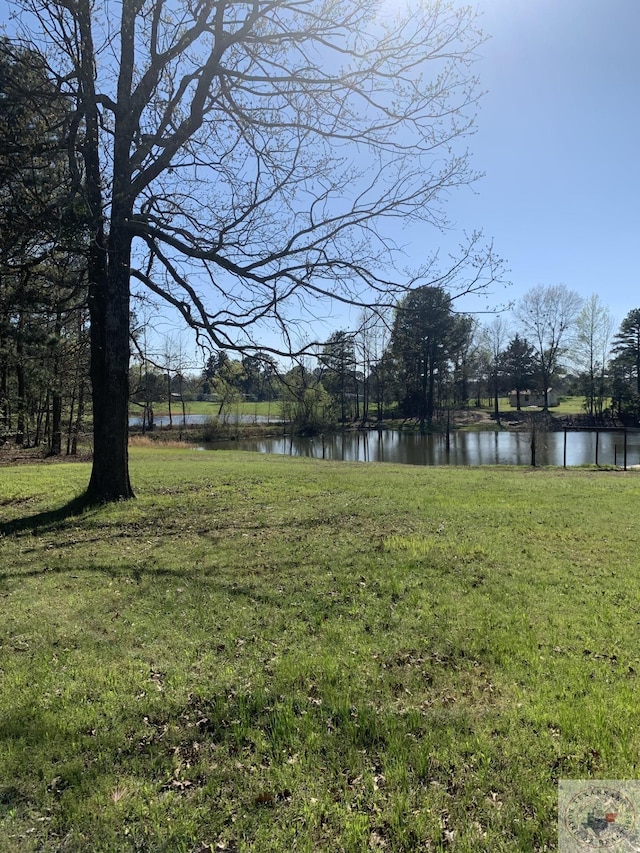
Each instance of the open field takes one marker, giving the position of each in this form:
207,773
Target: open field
566,406
272,654
198,407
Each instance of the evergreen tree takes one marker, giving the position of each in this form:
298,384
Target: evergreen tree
42,241
519,366
626,346
426,338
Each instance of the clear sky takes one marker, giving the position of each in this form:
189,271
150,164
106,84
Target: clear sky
558,141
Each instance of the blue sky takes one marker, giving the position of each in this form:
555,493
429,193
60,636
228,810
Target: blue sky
558,143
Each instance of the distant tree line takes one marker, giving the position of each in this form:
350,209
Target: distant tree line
418,361
425,359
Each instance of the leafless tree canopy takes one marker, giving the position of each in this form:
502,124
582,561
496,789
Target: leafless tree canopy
260,149
245,162
547,315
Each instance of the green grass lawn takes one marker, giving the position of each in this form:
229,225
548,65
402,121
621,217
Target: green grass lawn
271,654
569,406
566,406
199,407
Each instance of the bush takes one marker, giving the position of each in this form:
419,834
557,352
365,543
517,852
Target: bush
213,429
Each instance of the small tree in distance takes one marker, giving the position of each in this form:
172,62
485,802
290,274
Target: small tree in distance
240,161
519,366
494,335
546,315
338,365
426,337
594,328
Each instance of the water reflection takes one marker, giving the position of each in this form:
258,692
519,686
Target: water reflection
465,448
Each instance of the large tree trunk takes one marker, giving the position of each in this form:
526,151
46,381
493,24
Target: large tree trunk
108,271
431,395
109,310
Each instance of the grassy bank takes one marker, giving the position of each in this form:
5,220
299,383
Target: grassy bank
263,409
262,653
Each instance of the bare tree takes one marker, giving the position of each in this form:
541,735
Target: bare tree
546,315
175,365
594,331
371,338
494,338
240,160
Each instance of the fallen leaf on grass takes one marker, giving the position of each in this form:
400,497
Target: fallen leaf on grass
265,799
376,841
268,798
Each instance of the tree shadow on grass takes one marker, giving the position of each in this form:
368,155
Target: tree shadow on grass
126,571
41,522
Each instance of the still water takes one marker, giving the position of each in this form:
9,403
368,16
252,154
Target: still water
466,448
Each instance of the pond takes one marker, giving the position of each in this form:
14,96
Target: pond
466,448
